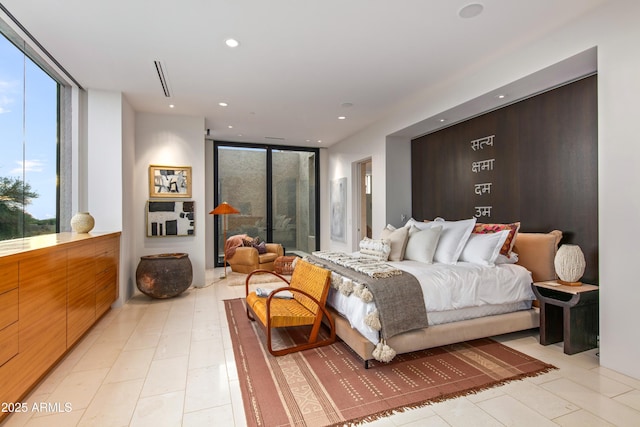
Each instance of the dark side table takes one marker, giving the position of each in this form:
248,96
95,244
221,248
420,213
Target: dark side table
568,313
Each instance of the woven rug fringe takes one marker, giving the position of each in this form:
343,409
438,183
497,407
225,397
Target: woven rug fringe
386,413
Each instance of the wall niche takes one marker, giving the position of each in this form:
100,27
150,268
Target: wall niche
535,161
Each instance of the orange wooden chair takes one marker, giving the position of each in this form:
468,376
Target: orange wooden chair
310,287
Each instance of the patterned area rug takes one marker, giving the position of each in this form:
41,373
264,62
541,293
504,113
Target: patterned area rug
329,385
238,279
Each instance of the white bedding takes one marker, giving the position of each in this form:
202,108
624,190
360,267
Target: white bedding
451,293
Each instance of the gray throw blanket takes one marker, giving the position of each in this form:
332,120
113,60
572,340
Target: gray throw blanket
399,299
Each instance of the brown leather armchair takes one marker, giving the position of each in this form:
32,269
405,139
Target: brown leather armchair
247,259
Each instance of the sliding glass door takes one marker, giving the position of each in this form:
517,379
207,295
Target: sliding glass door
293,201
275,190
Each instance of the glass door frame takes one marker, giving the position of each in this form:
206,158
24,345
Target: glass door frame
269,188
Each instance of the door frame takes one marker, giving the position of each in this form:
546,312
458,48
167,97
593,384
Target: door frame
217,230
361,168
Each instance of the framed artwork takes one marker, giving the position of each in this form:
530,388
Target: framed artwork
170,218
338,199
169,181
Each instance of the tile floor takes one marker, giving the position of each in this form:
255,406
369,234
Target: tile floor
169,363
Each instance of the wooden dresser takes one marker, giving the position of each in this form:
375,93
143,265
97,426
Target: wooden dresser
53,288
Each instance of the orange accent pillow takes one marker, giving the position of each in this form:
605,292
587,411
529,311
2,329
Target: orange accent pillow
513,228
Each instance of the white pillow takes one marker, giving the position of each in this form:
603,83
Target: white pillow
452,240
511,259
484,249
414,229
420,225
422,244
378,248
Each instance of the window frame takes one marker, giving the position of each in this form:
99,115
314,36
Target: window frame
24,42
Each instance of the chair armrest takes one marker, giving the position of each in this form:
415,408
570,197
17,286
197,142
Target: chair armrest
248,279
275,248
321,307
245,255
293,291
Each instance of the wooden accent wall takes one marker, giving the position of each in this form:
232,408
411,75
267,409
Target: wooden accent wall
544,171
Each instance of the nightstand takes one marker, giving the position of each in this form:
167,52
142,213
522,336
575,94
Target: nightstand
568,313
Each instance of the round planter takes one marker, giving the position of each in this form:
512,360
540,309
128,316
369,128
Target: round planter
82,222
164,275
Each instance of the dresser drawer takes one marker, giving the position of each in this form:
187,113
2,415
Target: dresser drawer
105,262
8,343
106,247
106,278
8,276
8,308
106,253
104,298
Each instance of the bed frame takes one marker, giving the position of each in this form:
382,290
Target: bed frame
536,252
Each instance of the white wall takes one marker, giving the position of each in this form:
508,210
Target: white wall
209,223
128,262
174,141
618,112
104,160
106,156
398,164
339,164
615,33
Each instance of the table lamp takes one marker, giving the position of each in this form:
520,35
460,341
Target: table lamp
570,264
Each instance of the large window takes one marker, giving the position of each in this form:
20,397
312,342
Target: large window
275,190
29,131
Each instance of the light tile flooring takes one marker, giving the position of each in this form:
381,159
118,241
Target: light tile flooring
170,363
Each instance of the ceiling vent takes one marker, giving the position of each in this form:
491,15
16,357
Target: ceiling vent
163,78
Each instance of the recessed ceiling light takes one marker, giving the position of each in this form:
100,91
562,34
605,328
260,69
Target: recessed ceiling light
171,106
443,120
342,117
230,127
319,141
223,104
232,42
471,10
501,96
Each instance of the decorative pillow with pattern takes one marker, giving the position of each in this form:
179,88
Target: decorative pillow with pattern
375,248
261,247
255,242
513,228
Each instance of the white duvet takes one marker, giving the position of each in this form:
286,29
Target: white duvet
464,287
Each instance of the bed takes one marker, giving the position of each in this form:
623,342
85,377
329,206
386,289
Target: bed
475,281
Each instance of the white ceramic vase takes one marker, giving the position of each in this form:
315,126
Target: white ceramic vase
82,222
569,263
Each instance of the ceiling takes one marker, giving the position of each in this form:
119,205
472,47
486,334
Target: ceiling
300,64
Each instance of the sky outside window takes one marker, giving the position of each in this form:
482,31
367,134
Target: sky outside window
28,127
